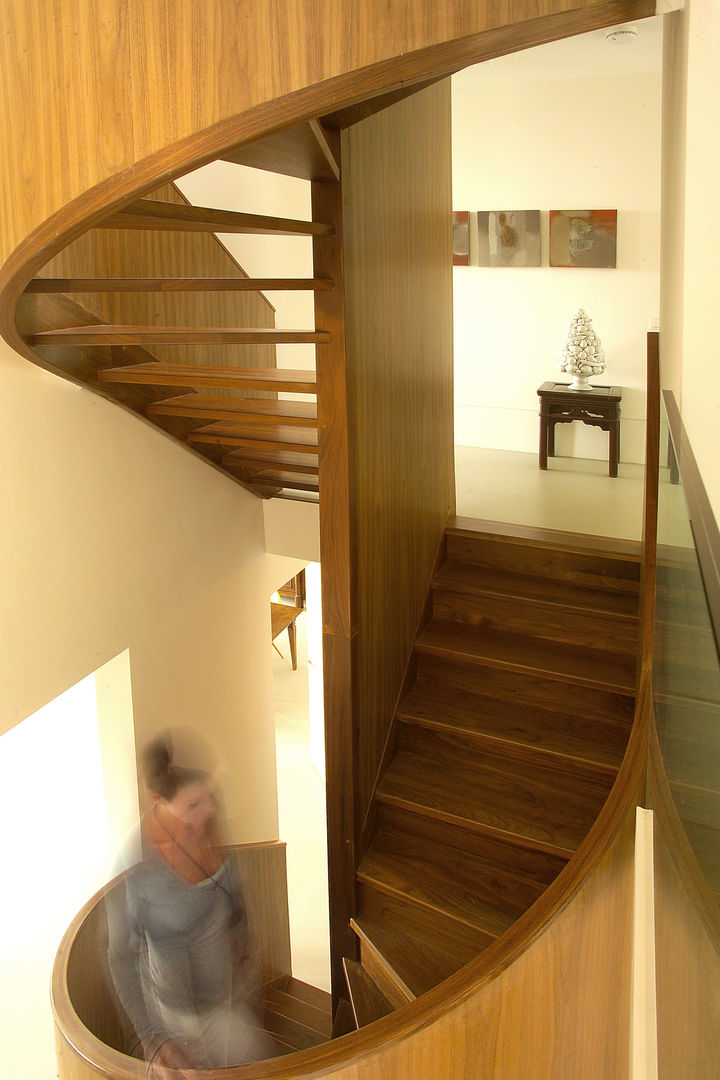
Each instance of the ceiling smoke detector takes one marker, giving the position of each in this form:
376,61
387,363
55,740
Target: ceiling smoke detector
622,35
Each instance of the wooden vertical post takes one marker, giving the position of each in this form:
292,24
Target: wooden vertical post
337,569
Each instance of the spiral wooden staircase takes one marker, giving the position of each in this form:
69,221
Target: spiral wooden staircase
479,834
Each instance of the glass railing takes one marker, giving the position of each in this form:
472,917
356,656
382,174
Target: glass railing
686,668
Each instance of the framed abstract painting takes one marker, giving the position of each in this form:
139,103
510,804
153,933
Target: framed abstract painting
583,238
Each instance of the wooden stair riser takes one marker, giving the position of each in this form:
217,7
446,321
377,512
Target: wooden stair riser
598,571
559,757
524,654
455,942
541,810
532,867
213,377
452,883
546,621
203,408
448,746
472,579
524,691
290,1032
316,1022
540,734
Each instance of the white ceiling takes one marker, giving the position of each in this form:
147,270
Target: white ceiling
585,56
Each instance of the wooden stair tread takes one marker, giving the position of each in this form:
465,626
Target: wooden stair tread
479,580
206,375
302,1003
273,460
533,805
254,437
107,334
154,214
588,667
367,999
285,482
415,962
175,284
223,407
573,735
476,894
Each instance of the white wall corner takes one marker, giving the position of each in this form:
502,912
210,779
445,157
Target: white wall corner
664,7
643,1020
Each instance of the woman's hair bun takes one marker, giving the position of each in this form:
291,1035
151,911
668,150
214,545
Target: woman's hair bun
157,759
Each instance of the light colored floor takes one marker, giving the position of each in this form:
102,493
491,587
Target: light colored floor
573,495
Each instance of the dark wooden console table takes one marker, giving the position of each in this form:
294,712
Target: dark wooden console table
599,407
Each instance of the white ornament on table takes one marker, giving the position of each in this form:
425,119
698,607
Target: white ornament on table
582,352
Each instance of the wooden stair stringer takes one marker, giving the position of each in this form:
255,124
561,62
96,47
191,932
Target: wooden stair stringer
368,1001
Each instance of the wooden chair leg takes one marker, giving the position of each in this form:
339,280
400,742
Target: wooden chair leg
292,638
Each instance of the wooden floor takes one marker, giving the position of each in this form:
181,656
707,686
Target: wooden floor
508,743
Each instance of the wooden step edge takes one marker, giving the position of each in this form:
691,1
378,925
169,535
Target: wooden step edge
153,214
303,991
115,334
538,754
535,536
393,891
481,660
441,584
235,408
176,284
366,998
393,986
514,839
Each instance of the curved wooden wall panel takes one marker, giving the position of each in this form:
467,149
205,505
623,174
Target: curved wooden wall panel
112,98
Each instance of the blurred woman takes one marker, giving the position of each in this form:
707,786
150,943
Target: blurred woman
179,935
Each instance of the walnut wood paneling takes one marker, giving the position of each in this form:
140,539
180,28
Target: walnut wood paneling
174,85
396,177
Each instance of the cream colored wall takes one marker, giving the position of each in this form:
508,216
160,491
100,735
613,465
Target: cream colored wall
690,355
534,141
114,538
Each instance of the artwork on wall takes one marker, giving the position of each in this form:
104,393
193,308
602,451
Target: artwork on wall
583,238
508,238
461,238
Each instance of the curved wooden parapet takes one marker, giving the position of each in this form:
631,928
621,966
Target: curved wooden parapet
550,998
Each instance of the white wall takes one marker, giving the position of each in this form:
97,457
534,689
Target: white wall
236,187
65,808
526,138
690,356
116,538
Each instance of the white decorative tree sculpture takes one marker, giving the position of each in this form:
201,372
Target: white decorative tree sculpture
582,354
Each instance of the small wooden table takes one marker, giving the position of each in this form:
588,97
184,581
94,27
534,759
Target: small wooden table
599,407
283,617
